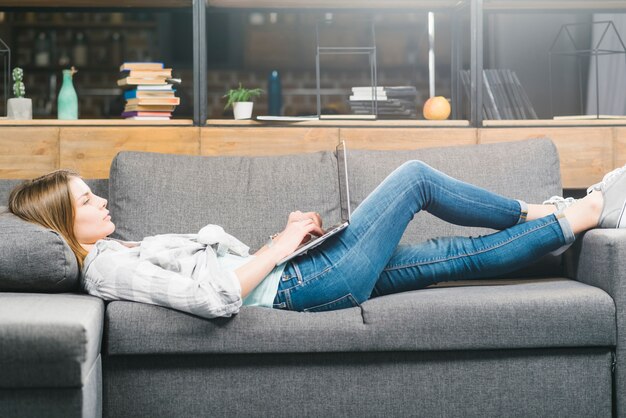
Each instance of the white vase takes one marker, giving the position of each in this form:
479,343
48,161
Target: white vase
19,108
242,110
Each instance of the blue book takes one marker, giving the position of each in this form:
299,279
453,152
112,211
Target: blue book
132,94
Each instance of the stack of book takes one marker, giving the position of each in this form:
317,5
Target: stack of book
395,102
148,94
503,95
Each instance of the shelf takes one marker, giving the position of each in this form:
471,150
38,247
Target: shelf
84,25
397,123
336,5
126,4
536,5
552,123
95,122
56,68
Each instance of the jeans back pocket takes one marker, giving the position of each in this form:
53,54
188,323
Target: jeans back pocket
344,302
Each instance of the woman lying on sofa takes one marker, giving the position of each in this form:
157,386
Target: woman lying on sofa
210,274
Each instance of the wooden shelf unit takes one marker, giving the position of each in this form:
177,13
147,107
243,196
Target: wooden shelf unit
586,153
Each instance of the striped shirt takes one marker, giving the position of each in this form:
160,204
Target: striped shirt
179,271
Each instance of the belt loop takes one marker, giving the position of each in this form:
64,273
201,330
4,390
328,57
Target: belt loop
297,271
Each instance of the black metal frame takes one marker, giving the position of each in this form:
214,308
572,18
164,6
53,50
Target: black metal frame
200,85
5,51
593,53
370,51
476,62
476,11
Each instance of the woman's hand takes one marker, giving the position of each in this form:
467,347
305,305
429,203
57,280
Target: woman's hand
297,231
298,216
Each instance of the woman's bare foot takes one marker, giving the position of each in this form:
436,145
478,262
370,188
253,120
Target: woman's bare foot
585,213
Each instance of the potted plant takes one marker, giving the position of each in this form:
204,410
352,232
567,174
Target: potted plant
19,107
241,101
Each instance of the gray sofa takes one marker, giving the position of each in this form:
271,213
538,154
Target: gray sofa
545,341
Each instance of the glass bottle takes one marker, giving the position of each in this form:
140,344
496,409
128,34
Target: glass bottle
274,94
80,50
42,50
67,101
116,48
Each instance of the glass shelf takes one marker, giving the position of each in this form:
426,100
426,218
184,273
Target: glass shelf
102,4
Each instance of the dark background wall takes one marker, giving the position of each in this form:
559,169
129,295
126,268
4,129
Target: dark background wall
244,47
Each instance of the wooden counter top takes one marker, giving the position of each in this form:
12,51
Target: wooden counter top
553,123
94,122
398,123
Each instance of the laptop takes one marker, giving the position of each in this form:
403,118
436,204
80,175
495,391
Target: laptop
344,204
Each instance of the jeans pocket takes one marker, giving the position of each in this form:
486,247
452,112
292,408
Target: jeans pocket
344,302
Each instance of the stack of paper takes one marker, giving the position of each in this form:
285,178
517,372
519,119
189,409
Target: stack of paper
392,102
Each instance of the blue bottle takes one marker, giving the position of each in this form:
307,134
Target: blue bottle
274,94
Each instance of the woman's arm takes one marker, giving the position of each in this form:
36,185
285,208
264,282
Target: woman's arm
253,272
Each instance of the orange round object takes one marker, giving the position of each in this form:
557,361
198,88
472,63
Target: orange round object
437,108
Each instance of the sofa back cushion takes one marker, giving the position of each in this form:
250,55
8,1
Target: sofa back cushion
526,170
250,197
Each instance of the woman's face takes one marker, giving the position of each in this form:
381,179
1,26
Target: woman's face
92,221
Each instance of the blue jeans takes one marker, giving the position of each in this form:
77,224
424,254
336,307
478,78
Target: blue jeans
366,261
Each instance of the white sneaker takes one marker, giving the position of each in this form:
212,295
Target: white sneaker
613,188
607,179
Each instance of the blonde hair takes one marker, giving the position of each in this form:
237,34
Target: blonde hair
47,201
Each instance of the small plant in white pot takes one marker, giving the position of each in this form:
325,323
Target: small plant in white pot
19,107
241,101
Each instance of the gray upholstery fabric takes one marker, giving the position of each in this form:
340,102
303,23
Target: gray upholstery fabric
71,402
431,352
599,259
233,191
48,340
250,197
6,185
526,170
34,259
514,383
542,313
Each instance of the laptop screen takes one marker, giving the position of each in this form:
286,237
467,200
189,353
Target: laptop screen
342,175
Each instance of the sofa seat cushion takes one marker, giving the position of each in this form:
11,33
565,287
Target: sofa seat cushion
48,340
515,314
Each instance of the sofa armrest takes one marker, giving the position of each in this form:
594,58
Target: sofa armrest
48,340
598,258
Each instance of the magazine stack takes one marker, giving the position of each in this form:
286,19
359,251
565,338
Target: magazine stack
395,102
148,90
